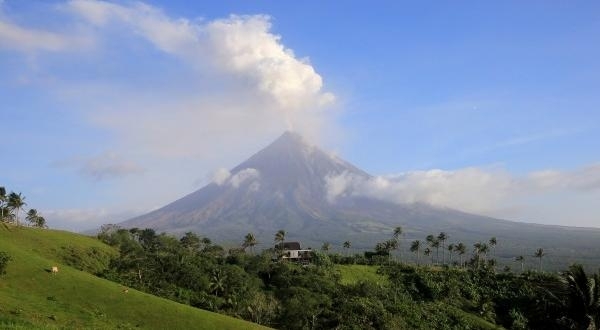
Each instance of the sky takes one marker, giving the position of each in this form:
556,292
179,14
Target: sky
110,109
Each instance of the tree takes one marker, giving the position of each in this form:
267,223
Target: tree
250,241
442,237
3,199
461,249
434,243
40,222
4,259
397,235
326,246
32,216
415,247
583,293
391,245
520,259
540,254
347,246
450,251
427,252
492,242
190,241
16,203
280,238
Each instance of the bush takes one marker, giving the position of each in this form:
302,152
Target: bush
4,259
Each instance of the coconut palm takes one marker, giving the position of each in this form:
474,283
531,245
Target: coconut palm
32,216
40,222
427,252
583,293
477,251
540,254
461,249
16,203
415,247
279,239
450,251
397,235
442,237
250,241
347,246
492,242
434,243
520,259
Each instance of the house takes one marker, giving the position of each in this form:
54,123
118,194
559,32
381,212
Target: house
293,252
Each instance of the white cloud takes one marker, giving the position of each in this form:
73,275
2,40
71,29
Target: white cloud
487,191
223,176
107,165
243,46
22,39
220,176
242,176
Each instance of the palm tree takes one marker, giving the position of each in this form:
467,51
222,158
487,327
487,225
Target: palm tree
250,241
40,222
3,199
347,246
280,238
492,242
520,259
397,234
540,254
433,243
436,245
484,249
427,252
461,249
326,246
16,203
415,247
450,250
32,216
391,245
583,293
442,237
477,247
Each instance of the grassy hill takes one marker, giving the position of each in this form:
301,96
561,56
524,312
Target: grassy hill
32,297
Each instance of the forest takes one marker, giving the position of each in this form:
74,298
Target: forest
262,288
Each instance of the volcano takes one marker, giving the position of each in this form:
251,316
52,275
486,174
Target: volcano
284,186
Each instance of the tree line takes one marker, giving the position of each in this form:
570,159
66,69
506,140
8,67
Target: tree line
11,206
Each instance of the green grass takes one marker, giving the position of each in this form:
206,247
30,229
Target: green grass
32,297
352,274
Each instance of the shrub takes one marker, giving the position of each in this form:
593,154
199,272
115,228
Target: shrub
4,259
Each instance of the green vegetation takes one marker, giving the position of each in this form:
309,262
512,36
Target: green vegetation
48,280
352,274
31,297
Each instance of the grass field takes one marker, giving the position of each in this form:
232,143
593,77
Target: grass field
352,274
32,297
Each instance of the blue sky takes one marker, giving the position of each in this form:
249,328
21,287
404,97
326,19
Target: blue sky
110,109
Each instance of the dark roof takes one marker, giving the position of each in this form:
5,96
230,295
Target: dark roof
290,245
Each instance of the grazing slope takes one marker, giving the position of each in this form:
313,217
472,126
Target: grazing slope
284,187
32,297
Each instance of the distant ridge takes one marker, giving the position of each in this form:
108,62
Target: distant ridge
283,187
